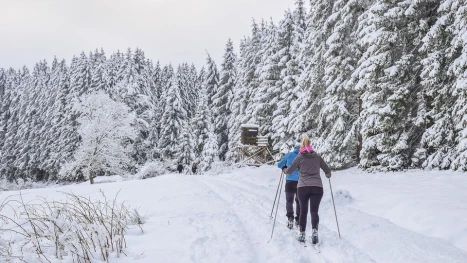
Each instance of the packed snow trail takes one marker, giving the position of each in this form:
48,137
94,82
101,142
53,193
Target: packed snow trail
225,218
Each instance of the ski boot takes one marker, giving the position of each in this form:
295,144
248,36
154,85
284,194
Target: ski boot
314,236
290,223
301,237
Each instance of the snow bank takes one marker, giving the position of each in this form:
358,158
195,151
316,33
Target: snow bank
107,179
151,169
342,197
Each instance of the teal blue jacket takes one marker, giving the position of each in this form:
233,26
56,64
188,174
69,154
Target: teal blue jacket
287,160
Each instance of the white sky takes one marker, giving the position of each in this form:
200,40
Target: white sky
167,30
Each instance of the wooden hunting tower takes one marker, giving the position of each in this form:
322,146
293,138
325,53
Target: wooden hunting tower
253,149
249,134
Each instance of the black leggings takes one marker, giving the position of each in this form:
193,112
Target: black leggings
312,194
290,194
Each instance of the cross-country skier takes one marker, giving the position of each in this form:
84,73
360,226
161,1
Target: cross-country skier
310,186
291,186
180,168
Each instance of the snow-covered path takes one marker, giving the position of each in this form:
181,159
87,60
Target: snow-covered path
225,218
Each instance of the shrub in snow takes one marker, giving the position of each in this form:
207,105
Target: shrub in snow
78,229
151,169
107,132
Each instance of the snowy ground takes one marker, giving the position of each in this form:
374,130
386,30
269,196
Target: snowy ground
392,217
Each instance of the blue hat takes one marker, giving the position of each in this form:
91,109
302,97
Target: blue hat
298,143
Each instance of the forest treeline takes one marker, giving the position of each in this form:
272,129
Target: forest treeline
379,84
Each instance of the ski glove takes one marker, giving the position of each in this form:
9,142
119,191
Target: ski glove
328,175
284,168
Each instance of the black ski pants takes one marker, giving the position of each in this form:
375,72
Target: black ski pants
290,194
312,195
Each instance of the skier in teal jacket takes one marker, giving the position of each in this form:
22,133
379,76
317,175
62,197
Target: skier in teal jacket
291,187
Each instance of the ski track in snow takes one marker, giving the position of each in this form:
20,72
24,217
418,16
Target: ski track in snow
223,233
365,238
331,249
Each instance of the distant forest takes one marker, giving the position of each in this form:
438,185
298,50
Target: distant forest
378,84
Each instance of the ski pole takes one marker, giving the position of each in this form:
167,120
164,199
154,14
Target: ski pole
277,208
280,180
332,196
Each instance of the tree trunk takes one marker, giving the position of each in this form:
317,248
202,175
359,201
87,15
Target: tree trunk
91,177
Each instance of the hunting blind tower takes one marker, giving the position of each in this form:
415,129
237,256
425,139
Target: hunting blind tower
253,149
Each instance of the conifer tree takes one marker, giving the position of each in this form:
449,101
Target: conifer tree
172,122
306,107
220,100
211,81
338,141
289,76
459,70
266,98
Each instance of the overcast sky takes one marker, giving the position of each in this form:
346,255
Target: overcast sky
167,30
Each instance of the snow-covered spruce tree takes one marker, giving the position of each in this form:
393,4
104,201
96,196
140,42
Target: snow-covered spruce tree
437,143
289,75
107,132
81,74
186,139
193,89
186,87
378,42
4,100
167,74
156,78
250,79
200,124
45,89
386,78
459,70
59,83
68,137
112,68
211,81
134,90
240,99
39,104
19,136
2,85
266,96
336,130
305,109
8,119
220,100
299,16
172,122
210,148
98,72
156,85
186,144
